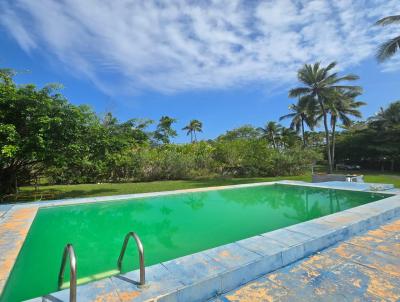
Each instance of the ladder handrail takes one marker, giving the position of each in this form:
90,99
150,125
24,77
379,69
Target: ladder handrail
141,255
69,251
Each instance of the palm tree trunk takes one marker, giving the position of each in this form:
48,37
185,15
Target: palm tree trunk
333,141
195,137
273,141
191,136
328,143
302,132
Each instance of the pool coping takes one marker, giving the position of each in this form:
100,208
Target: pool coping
205,274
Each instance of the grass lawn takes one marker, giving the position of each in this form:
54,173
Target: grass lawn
383,177
106,189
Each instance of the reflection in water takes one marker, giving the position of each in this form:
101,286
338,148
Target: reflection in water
195,201
169,226
165,210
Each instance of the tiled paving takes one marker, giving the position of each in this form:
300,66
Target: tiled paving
362,268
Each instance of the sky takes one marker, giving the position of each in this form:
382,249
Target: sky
224,62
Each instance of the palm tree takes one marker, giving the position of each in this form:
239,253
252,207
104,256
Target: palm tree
193,127
320,86
164,130
387,118
389,48
288,137
270,132
300,115
340,108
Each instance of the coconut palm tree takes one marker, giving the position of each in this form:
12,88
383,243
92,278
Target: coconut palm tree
193,127
301,114
341,108
164,130
288,137
271,132
389,48
387,118
320,86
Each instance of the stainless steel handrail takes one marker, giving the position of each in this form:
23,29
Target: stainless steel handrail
141,255
69,250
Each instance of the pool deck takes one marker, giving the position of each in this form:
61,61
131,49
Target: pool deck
206,274
362,268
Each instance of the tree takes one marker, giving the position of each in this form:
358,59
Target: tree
387,118
38,128
244,132
300,115
288,138
193,127
340,108
271,132
164,131
392,46
320,86
373,144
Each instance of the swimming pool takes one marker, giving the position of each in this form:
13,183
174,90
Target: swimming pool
169,226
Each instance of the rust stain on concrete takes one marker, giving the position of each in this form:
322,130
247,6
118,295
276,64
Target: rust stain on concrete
380,233
381,286
365,266
108,297
13,231
321,261
393,227
128,296
393,249
224,254
258,291
365,240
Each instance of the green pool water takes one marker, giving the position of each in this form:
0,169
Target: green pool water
170,226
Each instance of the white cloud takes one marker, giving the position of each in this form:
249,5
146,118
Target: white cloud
180,45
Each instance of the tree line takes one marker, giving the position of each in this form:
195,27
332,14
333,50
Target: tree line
45,138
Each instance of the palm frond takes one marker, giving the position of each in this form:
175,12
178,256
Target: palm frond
330,66
348,77
290,115
300,91
388,49
388,20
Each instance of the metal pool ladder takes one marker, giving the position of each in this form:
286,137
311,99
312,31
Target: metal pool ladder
69,251
141,255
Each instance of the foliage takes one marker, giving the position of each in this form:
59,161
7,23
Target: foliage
44,136
243,132
324,94
193,127
164,131
252,158
173,161
375,143
38,127
389,48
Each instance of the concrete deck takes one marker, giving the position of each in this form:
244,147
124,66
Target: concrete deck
362,268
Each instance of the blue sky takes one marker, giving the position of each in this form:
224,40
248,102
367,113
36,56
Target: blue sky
226,63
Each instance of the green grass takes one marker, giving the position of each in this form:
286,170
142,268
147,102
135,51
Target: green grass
383,177
106,189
